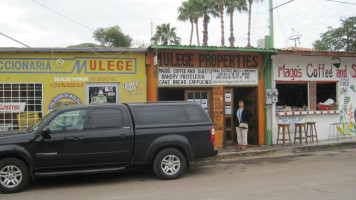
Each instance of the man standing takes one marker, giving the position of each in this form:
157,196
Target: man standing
241,122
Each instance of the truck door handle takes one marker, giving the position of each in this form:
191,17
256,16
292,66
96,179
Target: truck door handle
78,138
123,135
75,138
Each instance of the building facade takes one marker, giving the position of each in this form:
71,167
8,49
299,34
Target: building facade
216,78
315,87
36,81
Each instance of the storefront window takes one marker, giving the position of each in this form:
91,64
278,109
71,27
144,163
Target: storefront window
326,96
325,91
171,94
297,96
292,97
20,105
102,93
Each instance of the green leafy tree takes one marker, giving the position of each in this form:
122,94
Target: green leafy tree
112,37
338,39
166,35
249,21
232,6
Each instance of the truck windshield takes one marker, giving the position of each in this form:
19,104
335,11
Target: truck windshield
43,120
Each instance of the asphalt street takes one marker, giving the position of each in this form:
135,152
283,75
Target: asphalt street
318,175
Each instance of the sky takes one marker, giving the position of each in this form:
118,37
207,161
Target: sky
36,26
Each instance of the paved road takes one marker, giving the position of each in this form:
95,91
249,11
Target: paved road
322,175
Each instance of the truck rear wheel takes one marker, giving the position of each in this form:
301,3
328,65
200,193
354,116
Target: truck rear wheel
169,164
14,175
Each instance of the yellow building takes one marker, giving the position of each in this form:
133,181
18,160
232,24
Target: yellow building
35,81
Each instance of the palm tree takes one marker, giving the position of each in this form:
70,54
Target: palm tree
209,7
184,15
196,11
166,35
221,5
249,22
232,5
191,10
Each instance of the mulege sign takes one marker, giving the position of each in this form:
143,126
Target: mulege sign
169,76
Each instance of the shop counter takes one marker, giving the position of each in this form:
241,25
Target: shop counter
316,112
323,120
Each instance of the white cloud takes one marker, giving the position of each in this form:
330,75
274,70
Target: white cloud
38,27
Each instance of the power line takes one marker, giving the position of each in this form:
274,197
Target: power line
280,24
341,2
15,40
72,20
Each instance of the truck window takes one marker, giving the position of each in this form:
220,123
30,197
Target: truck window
169,114
68,121
106,118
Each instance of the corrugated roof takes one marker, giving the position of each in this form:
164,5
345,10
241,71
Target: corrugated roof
316,53
213,48
298,49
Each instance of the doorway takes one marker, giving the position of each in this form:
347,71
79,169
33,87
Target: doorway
249,96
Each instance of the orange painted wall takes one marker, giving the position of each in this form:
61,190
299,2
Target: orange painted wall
152,85
261,108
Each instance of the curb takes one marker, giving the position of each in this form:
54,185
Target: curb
285,150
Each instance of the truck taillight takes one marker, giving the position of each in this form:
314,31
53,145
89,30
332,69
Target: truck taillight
212,134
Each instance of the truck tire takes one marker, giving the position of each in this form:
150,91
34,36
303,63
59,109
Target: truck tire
169,164
14,175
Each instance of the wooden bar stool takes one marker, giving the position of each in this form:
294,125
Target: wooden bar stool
311,131
284,127
298,130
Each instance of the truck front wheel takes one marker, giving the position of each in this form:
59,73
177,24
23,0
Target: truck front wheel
169,164
14,175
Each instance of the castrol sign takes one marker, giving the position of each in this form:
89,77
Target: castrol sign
12,107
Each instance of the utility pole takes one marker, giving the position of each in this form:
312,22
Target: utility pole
152,27
268,73
271,30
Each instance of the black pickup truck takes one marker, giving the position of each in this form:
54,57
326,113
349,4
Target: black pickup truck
86,139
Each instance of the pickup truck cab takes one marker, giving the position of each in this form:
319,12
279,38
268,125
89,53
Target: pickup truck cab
86,139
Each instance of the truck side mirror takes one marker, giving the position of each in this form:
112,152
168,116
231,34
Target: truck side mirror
46,132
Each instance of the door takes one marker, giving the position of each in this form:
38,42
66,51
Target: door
201,96
97,93
249,96
65,147
110,136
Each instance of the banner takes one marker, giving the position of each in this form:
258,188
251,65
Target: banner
27,119
169,76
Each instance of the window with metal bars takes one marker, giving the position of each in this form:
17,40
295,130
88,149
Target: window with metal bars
20,105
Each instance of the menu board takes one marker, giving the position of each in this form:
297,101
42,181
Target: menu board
169,76
234,76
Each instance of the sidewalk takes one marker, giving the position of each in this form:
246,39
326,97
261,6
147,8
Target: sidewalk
274,150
